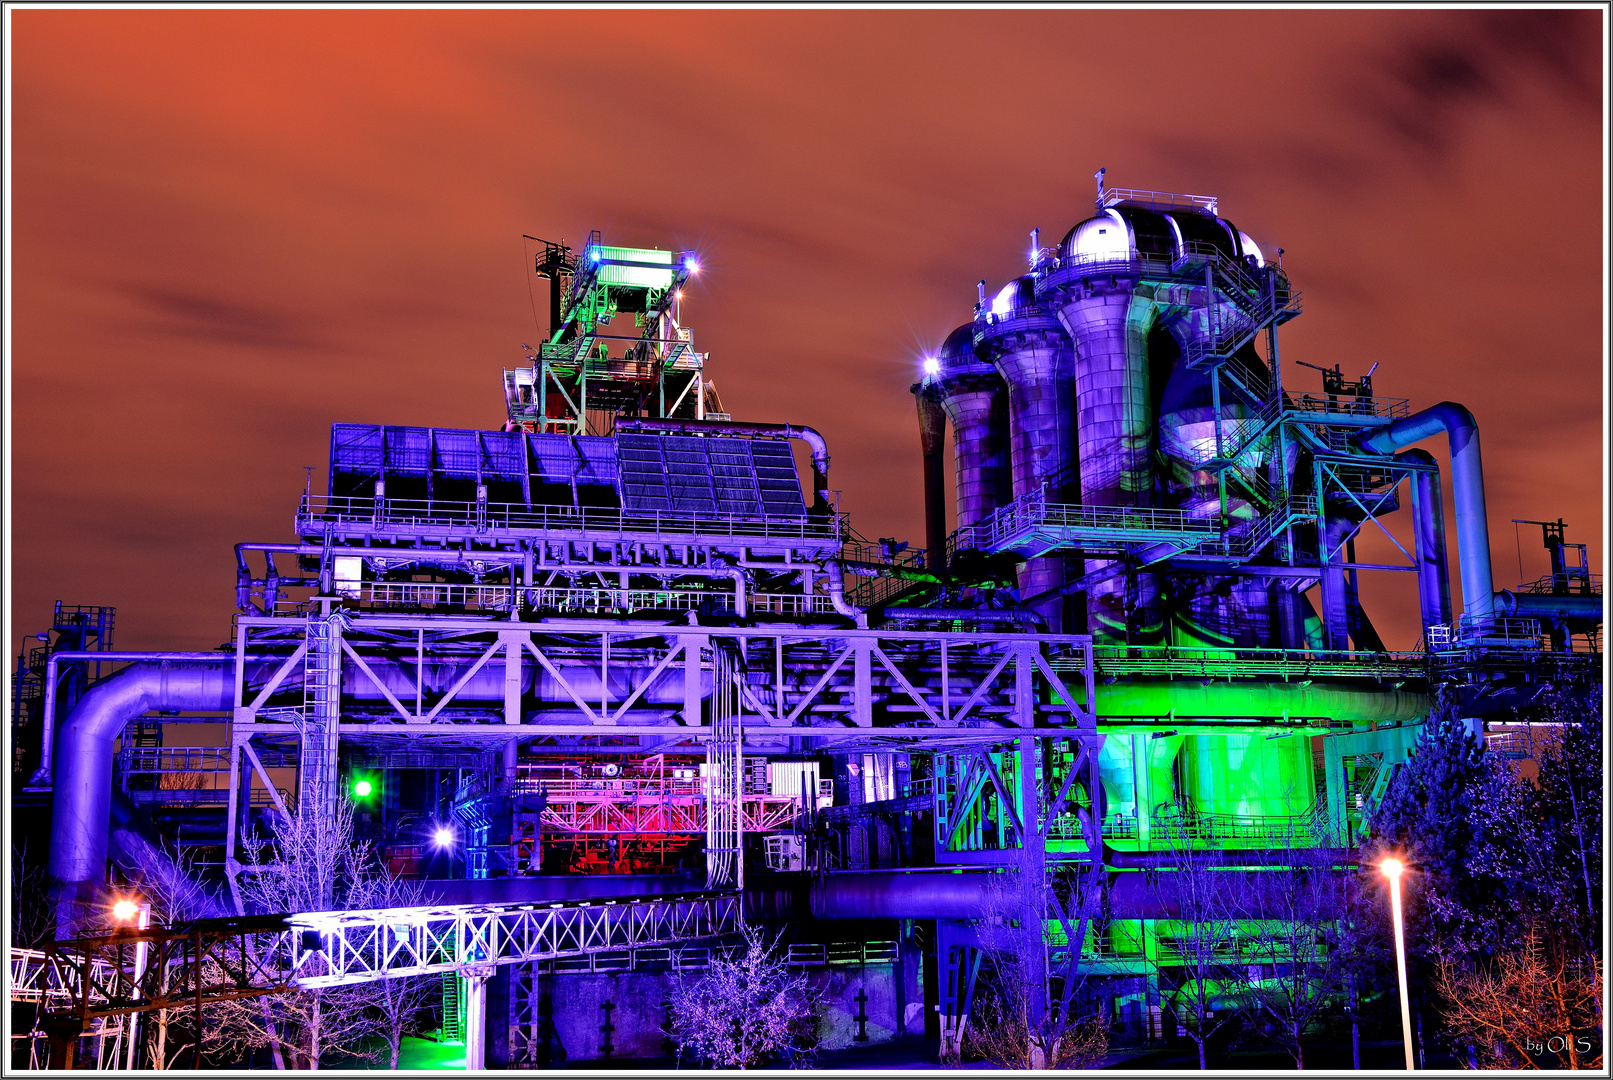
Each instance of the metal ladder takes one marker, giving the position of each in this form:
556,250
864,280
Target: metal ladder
322,683
452,1006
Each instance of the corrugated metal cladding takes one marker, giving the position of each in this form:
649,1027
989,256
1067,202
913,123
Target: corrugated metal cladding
690,474
676,473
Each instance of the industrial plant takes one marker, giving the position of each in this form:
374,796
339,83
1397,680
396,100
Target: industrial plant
604,687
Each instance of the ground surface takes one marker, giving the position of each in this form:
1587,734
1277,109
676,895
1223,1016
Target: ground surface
427,1056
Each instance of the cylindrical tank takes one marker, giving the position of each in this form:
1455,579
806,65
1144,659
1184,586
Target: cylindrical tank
976,401
1096,295
1029,348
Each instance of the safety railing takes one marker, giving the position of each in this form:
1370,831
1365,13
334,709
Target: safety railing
174,759
201,796
1350,405
1183,824
1032,512
1115,196
1212,663
834,953
1571,584
434,596
319,510
1491,630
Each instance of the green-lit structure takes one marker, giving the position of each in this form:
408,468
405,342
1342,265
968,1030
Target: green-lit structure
1132,461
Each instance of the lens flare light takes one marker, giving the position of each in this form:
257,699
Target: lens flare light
124,910
443,836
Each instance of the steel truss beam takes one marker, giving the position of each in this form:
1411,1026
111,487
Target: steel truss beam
207,960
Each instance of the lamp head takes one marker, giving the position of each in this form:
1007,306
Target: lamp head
125,910
443,836
1392,868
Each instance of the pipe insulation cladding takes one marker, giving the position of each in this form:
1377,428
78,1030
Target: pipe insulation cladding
973,895
1467,480
81,767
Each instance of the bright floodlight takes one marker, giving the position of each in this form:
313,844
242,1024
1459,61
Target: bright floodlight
693,264
1392,868
932,366
443,837
124,910
362,789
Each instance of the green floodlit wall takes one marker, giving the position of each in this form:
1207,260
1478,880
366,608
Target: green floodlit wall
642,277
1257,775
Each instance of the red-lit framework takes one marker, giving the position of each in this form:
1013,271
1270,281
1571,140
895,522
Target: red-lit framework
610,813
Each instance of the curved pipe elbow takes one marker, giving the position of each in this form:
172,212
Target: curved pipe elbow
836,578
81,766
1467,482
1447,416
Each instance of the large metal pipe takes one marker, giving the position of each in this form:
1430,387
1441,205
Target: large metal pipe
1467,480
815,442
1428,525
1185,699
82,767
972,895
1548,606
932,445
47,735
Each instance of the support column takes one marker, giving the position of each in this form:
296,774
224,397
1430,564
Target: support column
513,642
862,658
476,1018
693,646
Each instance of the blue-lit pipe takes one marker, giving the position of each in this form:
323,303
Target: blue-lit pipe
82,766
1467,479
1428,523
1548,606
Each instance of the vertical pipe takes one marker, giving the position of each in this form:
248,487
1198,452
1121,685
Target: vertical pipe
1467,479
1428,521
932,440
1335,590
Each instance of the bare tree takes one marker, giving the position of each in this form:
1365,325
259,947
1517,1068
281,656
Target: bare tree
745,1008
398,1002
311,863
1538,1002
1030,1011
1198,956
33,921
1295,948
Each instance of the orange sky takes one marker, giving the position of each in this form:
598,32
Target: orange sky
233,228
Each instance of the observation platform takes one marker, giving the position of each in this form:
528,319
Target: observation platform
1032,526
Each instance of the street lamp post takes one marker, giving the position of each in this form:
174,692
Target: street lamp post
124,911
1392,869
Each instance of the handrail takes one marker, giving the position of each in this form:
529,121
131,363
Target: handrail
1113,196
542,518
